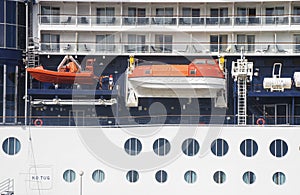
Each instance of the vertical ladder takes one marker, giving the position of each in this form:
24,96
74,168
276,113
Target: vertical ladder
242,71
242,100
33,53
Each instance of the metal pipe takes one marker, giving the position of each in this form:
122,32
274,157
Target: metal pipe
16,92
4,94
26,73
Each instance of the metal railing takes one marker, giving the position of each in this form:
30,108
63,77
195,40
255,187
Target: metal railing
170,20
7,187
171,48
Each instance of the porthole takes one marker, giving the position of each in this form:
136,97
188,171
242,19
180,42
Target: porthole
132,176
98,176
219,147
279,178
278,148
219,177
190,147
249,177
248,147
69,175
190,177
161,176
11,146
161,147
133,146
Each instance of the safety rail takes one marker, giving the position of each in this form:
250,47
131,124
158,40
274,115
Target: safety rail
7,187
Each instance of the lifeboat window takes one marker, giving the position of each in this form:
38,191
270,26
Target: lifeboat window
278,148
69,175
161,176
193,71
11,146
219,147
199,61
279,178
249,177
147,71
161,147
190,177
190,147
248,147
98,176
211,62
132,176
133,146
219,177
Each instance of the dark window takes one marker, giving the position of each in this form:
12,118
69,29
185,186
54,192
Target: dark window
219,177
190,147
248,147
190,177
278,148
249,177
133,146
21,14
11,12
21,37
10,36
161,147
219,147
161,176
193,71
1,11
279,178
11,146
1,35
132,176
69,175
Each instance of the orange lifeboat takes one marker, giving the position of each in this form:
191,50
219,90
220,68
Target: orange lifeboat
68,74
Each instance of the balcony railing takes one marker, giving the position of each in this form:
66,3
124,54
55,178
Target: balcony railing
171,48
154,20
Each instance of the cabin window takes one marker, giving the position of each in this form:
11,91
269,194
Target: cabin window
161,176
136,16
106,15
133,146
50,15
193,72
190,147
219,177
246,16
249,177
245,43
297,41
69,175
279,178
105,42
132,176
161,147
163,43
218,16
136,43
190,15
275,15
218,43
219,147
50,42
11,146
98,176
278,148
190,177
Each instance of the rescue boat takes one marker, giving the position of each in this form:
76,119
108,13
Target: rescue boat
202,78
66,74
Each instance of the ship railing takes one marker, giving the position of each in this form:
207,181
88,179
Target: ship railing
117,20
7,187
109,46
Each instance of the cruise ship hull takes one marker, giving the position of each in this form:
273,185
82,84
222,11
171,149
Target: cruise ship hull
47,152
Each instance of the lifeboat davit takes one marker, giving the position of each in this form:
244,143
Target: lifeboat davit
68,74
202,78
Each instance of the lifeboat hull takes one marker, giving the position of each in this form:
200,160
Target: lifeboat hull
48,76
177,87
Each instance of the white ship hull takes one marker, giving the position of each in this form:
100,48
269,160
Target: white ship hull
47,152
